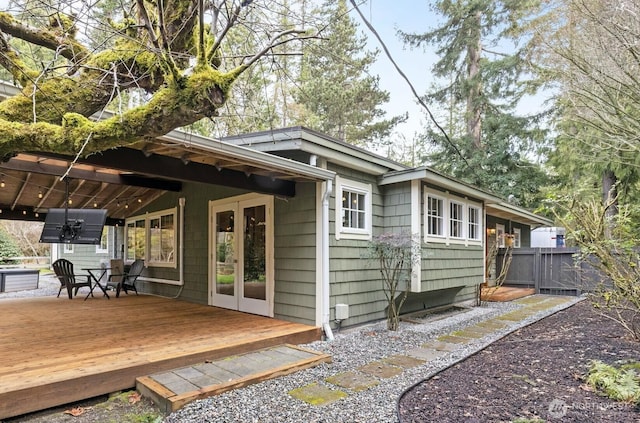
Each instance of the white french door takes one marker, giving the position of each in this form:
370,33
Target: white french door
241,251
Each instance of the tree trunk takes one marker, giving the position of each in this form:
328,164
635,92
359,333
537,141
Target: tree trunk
474,111
609,199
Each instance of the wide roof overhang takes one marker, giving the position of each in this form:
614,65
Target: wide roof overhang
126,179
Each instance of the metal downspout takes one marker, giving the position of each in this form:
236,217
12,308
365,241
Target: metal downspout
325,262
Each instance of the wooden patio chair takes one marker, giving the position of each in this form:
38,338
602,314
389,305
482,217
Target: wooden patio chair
116,273
126,280
63,269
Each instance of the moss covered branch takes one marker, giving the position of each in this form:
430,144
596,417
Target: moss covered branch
199,96
149,51
58,38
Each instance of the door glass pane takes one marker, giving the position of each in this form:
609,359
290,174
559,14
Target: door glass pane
225,273
255,236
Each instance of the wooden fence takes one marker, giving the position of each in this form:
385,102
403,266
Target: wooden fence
549,270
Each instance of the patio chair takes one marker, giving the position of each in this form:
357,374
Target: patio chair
126,280
116,273
63,269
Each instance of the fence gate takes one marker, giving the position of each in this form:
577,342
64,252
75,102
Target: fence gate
548,270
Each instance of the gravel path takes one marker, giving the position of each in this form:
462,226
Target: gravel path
270,401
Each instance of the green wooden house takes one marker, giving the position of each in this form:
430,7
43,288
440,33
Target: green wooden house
296,256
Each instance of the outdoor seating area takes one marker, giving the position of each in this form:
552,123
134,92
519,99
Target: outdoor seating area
100,356
118,278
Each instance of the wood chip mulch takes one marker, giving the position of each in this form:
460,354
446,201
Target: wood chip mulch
533,374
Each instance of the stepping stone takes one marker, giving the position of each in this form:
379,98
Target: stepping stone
530,300
403,361
538,307
514,316
440,346
466,333
355,381
479,329
380,369
316,394
556,302
454,339
426,354
491,324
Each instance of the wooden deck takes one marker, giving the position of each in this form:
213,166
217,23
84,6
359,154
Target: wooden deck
54,350
505,293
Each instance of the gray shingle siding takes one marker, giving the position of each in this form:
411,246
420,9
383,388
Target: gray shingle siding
295,256
354,279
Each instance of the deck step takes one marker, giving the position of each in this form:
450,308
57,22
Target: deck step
171,390
505,293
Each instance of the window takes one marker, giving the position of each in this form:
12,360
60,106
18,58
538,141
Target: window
162,231
136,239
456,220
474,223
435,216
353,210
448,218
103,247
516,237
153,238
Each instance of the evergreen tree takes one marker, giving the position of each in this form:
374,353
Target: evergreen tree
8,248
592,52
340,97
488,143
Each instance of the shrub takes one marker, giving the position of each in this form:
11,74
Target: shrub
620,384
394,252
8,248
609,243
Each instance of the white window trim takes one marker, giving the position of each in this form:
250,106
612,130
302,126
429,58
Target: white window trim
443,222
517,237
147,235
448,199
462,221
360,188
478,223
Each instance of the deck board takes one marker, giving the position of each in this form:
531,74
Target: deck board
505,293
55,351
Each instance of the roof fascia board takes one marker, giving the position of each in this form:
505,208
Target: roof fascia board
321,151
439,180
519,213
492,202
259,158
316,143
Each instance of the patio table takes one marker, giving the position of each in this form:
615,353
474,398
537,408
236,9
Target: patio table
93,274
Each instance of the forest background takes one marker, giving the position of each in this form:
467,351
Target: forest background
531,100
